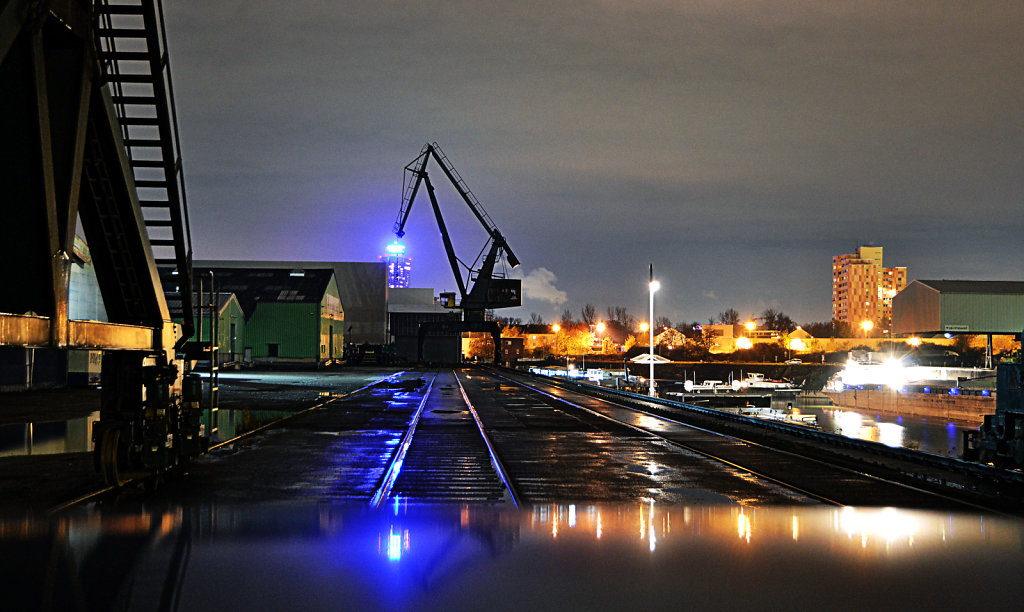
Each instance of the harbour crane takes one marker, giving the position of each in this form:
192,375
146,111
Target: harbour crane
483,288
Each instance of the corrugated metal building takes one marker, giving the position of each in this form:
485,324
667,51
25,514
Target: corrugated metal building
363,287
959,306
230,328
407,310
292,315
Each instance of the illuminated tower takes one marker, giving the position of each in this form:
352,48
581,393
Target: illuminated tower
399,266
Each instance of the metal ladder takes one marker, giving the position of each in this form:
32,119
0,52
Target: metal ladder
131,45
206,315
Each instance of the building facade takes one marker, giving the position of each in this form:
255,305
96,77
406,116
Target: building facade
863,288
293,315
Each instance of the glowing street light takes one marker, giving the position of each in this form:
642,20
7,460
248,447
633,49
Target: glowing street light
600,330
866,326
654,286
750,325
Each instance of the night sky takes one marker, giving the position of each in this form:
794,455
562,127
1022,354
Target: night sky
737,146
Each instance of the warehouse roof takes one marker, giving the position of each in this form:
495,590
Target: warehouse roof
974,286
254,285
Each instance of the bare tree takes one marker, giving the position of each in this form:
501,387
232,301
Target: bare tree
536,319
588,314
567,320
729,317
662,322
776,319
621,316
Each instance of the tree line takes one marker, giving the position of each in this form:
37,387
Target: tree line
620,317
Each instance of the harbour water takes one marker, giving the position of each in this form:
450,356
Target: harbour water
928,435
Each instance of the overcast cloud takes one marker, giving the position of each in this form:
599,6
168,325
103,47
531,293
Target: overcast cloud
736,145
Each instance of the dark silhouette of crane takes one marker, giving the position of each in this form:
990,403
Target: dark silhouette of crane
483,288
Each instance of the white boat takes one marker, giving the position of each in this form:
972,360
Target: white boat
757,382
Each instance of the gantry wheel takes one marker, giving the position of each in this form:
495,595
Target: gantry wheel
113,458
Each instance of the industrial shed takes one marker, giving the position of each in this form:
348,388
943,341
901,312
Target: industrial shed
363,287
230,327
292,316
959,307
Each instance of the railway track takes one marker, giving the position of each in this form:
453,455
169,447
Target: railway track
446,454
482,436
828,467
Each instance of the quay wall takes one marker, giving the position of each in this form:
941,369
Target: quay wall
962,410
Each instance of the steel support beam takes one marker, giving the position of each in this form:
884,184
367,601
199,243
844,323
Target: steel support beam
34,332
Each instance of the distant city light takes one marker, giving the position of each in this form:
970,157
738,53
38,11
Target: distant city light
395,249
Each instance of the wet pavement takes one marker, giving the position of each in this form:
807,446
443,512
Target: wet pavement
553,454
643,556
46,450
341,453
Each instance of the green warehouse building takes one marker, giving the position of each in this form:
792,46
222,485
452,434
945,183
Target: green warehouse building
291,316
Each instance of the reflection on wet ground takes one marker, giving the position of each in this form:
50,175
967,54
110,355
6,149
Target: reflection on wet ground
74,436
47,438
629,556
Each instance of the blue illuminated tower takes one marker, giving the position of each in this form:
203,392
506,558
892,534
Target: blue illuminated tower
399,266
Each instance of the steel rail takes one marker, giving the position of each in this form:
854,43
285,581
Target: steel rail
675,443
495,460
663,418
148,478
391,474
981,473
949,464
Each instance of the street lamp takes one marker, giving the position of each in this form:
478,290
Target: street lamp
600,330
866,326
653,286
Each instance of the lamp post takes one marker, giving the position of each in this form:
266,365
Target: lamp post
653,286
600,330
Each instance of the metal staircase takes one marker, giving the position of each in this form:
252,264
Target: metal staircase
130,42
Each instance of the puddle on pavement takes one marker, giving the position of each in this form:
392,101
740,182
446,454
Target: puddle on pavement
75,435
235,422
47,438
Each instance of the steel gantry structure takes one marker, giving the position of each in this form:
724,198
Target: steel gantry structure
89,136
483,288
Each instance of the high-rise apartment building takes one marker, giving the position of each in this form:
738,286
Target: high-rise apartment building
399,266
862,288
